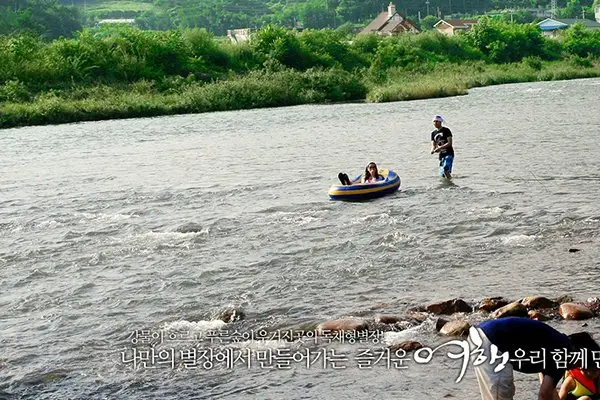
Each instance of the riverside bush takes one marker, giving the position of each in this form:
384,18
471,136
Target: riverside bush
533,62
114,72
140,99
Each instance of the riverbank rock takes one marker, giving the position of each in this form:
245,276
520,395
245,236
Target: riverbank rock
417,316
490,304
189,228
455,328
538,316
387,319
565,298
593,303
407,345
515,309
439,323
231,315
574,311
449,307
536,302
385,323
342,324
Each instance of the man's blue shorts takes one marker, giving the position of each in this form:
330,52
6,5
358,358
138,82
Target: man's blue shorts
446,164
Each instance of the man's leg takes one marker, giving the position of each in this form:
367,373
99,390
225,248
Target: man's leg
492,385
447,166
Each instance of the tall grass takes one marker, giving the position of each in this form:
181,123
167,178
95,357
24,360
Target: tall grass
456,79
142,99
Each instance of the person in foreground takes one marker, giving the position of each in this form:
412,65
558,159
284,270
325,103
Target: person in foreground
581,384
441,143
527,346
371,175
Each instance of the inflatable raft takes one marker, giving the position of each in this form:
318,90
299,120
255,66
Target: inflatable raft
364,191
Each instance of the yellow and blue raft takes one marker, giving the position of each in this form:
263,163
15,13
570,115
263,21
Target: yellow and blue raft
365,191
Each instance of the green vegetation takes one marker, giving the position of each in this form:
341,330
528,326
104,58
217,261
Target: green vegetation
55,18
118,72
46,18
453,79
110,6
144,98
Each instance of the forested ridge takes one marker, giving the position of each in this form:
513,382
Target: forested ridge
55,18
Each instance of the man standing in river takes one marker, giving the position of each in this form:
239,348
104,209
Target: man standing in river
441,142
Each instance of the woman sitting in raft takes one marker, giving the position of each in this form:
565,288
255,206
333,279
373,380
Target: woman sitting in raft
371,175
581,384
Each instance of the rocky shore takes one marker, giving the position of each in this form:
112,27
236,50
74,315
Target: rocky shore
453,317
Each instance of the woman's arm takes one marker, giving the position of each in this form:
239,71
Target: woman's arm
567,386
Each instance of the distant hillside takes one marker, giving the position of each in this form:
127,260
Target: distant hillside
219,15
53,18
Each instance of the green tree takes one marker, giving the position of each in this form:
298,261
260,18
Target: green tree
316,15
505,42
518,17
575,9
349,10
581,41
9,20
358,10
47,18
330,48
278,44
366,44
154,20
427,23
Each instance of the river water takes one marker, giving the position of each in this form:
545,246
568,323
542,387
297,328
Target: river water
113,230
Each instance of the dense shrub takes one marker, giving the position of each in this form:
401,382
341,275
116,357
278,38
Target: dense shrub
506,42
580,41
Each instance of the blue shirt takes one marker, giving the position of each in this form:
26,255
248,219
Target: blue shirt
535,339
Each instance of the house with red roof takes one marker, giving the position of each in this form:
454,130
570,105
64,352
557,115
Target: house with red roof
391,22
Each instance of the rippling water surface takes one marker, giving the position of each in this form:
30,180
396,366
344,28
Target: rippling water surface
111,227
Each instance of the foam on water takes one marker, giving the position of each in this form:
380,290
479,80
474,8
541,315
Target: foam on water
198,327
519,240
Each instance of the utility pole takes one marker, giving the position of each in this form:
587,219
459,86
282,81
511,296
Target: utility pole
427,3
553,8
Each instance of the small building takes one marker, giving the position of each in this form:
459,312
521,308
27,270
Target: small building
391,22
239,35
551,26
129,21
452,26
